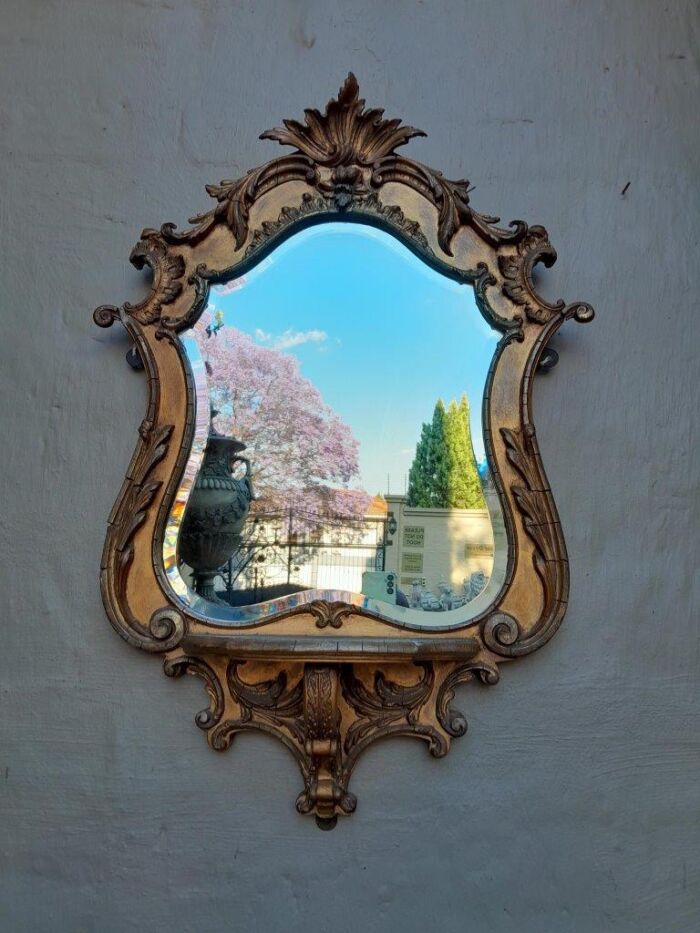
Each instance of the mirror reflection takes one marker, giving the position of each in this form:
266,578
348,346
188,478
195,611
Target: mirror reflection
338,449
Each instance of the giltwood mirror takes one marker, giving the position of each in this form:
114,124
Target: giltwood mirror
336,512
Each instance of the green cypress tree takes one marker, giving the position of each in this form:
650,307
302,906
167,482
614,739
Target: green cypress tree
419,474
438,460
457,460
444,473
474,494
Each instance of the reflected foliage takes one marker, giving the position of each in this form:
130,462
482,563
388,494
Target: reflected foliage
302,454
444,473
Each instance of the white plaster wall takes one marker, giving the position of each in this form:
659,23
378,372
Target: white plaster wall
573,803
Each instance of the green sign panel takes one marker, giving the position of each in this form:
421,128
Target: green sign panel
413,535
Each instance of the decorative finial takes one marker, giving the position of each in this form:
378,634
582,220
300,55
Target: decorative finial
346,133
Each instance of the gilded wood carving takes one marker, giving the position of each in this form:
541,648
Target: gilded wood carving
329,678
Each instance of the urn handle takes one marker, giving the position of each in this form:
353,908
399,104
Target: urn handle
236,458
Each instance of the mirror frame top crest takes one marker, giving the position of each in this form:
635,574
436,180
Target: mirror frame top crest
329,678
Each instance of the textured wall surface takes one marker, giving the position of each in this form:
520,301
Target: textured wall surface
572,805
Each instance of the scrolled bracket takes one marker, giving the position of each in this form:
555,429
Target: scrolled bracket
327,714
178,666
580,311
516,268
500,632
168,270
452,720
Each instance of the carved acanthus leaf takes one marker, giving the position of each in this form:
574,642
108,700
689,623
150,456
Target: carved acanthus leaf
531,498
168,271
451,199
270,700
166,626
236,197
345,133
388,709
140,492
534,502
331,614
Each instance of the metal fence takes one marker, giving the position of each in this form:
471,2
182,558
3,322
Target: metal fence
289,550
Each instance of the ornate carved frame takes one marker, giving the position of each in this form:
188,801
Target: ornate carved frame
327,679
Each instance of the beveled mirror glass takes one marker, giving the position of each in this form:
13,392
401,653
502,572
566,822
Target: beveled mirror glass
339,453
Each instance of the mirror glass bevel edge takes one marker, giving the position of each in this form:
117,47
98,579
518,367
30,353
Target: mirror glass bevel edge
257,613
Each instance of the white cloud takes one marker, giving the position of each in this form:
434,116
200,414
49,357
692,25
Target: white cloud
291,338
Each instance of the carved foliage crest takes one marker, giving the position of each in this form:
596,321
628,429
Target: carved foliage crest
346,133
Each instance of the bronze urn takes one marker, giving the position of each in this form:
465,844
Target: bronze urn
216,512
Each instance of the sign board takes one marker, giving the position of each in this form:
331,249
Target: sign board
411,563
413,535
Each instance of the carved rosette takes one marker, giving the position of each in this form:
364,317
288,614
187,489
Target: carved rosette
328,708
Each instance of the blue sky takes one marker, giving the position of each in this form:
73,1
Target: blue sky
381,335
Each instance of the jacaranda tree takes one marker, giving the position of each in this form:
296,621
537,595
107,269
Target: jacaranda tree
302,454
